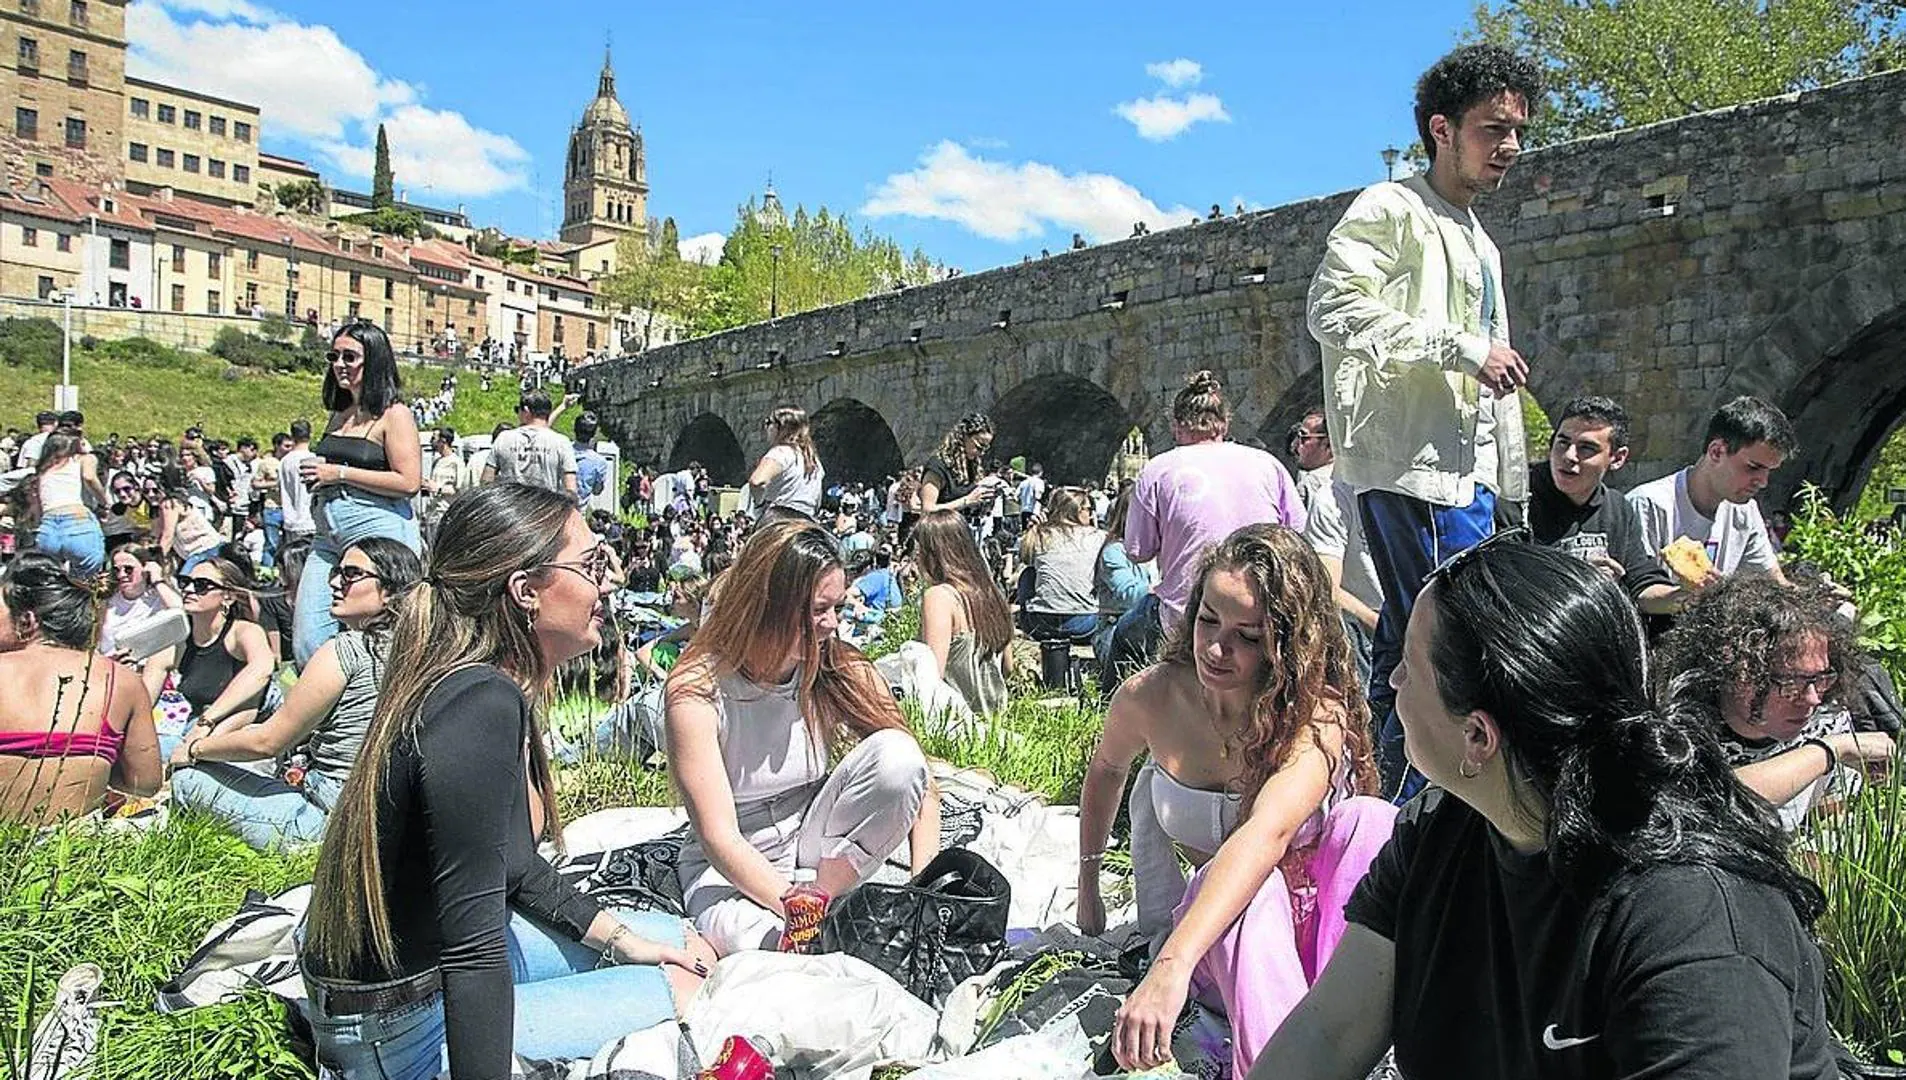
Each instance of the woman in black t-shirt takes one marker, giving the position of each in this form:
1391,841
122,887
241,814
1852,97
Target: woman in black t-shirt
1587,891
956,477
434,922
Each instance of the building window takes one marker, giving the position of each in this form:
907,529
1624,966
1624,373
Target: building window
120,257
291,268
592,336
63,241
76,67
430,326
191,120
387,319
29,236
141,108
212,300
78,17
178,258
479,281
214,263
43,168
168,113
251,258
430,299
26,123
46,287
469,307
352,309
241,131
215,169
390,289
76,132
557,335
178,298
136,152
191,163
291,304
163,158
241,174
29,7
251,295
29,55
215,125
357,281
519,322
510,284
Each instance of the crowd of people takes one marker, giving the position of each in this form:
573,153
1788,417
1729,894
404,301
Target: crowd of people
1467,754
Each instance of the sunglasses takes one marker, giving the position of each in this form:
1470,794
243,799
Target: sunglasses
198,586
334,355
351,575
1447,569
121,570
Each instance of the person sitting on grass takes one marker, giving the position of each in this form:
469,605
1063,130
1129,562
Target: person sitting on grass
74,725
140,591
1117,582
224,667
326,711
964,619
1060,554
1586,890
787,747
438,937
687,596
1767,667
1258,739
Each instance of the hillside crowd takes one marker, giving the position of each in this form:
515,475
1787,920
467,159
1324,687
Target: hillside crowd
1470,757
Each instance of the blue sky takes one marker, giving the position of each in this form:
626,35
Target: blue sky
979,131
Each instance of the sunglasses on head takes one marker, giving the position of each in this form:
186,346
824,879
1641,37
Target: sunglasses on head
1448,568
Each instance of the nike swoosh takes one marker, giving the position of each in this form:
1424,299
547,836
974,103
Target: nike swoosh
1553,1041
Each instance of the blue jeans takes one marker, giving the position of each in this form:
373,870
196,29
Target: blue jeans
264,811
1046,626
1135,640
274,518
345,515
75,537
565,1006
1407,538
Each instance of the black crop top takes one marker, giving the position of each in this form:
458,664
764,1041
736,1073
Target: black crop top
353,451
453,834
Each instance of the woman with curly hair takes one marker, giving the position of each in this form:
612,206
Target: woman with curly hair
956,478
1257,735
1766,666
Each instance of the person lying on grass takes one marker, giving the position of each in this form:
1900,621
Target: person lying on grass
73,724
328,709
1259,753
435,927
1586,891
762,701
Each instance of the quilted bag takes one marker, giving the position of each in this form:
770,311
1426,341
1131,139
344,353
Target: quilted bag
930,934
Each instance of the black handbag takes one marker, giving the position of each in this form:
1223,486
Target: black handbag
930,934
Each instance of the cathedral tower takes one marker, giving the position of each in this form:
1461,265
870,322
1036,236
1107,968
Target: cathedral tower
605,181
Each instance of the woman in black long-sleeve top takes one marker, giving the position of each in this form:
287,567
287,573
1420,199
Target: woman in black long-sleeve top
434,923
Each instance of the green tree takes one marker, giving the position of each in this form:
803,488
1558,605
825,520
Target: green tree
300,196
383,184
651,278
390,221
670,245
1619,63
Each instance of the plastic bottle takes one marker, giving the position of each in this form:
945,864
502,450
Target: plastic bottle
740,1058
805,905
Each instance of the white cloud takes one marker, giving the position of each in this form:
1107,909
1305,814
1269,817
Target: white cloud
1006,201
1160,118
704,249
317,91
1176,73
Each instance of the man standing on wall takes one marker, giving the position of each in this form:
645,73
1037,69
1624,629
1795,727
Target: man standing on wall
1419,379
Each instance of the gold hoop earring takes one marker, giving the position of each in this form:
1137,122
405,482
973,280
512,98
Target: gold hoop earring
1463,771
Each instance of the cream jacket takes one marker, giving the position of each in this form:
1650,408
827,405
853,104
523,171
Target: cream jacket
1397,307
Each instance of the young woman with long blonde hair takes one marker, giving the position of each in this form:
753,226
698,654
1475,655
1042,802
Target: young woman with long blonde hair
964,618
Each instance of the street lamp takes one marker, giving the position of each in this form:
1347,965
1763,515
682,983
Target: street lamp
66,395
1390,154
774,283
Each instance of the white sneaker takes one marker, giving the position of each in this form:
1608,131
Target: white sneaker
66,1037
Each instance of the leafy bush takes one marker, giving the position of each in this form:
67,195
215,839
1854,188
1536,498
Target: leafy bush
1859,856
143,351
31,343
1869,560
248,350
275,327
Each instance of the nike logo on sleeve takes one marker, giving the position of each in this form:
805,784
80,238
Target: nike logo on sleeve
1552,1041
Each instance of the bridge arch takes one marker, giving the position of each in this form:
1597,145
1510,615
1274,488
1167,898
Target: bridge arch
855,442
708,439
1071,425
1835,361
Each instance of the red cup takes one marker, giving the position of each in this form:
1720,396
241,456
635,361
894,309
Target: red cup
739,1059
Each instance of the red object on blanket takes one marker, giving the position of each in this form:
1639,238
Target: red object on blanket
740,1059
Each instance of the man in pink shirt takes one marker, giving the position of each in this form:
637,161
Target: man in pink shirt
1188,499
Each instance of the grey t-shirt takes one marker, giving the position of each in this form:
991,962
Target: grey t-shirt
1063,572
335,742
533,455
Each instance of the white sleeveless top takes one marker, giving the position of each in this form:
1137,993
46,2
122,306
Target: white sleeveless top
60,486
765,747
793,487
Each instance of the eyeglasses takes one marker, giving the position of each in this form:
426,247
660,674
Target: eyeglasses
1446,569
594,567
1795,684
196,586
351,575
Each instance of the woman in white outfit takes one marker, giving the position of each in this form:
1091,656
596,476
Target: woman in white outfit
764,698
789,476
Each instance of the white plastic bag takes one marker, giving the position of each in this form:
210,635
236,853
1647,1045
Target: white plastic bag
831,1016
1060,1052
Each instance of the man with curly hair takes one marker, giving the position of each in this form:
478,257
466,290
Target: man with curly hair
1420,380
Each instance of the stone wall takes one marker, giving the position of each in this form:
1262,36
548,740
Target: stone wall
1750,250
177,329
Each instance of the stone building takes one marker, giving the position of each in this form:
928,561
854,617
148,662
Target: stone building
605,178
194,144
62,81
569,321
40,248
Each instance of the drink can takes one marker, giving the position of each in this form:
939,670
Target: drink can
740,1059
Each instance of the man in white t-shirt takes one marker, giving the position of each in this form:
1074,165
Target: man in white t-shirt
1310,447
533,453
293,496
1712,500
1335,529
1032,493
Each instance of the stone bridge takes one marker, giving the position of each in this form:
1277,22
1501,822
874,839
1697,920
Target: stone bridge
1757,249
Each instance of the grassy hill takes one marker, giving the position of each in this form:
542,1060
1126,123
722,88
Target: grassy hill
142,388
